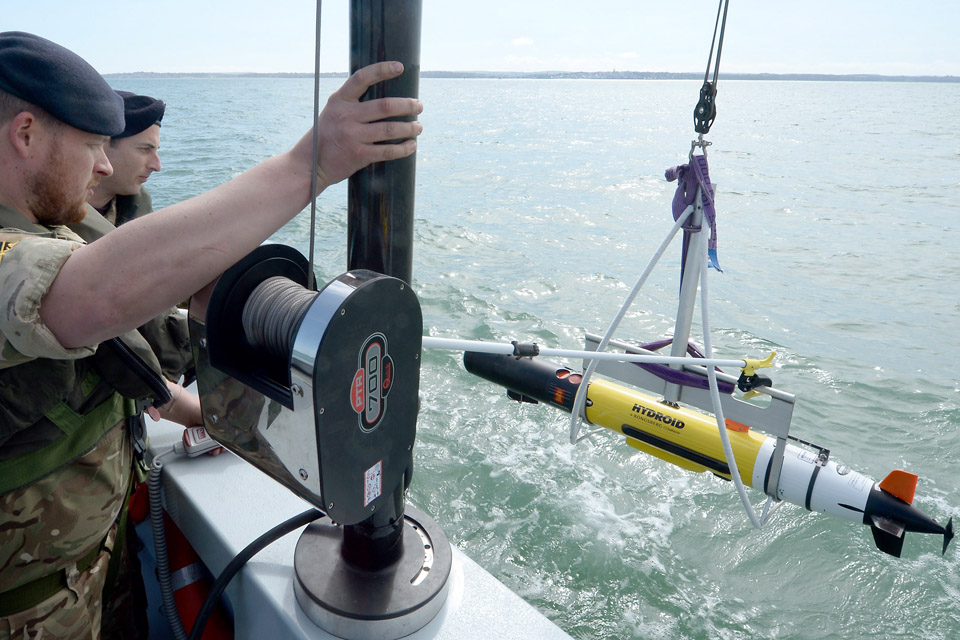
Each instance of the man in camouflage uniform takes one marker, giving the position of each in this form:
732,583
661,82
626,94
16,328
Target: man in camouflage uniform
119,198
65,390
134,154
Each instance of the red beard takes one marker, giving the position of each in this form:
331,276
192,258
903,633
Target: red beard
51,205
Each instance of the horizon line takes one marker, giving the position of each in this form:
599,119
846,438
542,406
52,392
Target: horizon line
614,74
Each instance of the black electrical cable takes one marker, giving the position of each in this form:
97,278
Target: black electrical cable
242,558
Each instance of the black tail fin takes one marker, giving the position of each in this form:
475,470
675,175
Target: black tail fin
888,542
947,535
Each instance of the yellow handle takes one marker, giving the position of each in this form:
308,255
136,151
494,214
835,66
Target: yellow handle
753,364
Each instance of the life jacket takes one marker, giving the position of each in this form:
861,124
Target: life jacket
55,417
81,398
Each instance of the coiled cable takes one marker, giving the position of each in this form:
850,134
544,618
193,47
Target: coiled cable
160,545
273,313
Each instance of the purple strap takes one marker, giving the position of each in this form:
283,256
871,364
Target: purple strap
683,378
689,177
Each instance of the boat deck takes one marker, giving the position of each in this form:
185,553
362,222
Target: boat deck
221,504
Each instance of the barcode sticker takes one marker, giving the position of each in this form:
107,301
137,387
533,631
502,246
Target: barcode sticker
372,483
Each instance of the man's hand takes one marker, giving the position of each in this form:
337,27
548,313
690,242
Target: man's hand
183,409
349,130
167,258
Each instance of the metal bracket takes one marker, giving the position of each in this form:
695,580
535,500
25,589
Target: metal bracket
773,419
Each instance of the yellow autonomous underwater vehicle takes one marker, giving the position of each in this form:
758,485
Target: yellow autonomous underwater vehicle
690,439
670,422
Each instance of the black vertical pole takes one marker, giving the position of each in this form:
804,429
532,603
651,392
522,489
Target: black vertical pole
380,205
380,226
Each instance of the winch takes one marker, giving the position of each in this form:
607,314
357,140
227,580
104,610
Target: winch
319,390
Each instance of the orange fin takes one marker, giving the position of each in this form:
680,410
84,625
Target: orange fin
733,425
902,484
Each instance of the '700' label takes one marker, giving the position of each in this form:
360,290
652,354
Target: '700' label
372,382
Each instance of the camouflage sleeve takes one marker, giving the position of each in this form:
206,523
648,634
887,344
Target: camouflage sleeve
28,266
169,338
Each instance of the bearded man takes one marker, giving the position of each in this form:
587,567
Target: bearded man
65,394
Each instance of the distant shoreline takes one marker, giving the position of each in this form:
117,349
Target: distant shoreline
569,75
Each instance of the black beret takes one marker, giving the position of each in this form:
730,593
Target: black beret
60,82
140,113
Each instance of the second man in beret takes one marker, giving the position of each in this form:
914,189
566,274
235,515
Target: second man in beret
135,155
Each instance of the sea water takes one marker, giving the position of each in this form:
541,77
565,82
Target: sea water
538,204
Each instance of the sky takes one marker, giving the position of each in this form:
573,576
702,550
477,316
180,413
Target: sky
888,37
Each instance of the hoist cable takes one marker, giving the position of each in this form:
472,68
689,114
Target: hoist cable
313,172
706,110
719,44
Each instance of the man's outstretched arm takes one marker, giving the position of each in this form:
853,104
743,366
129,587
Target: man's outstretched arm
150,264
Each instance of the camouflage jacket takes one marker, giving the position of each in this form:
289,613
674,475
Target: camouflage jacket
36,372
126,208
64,454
